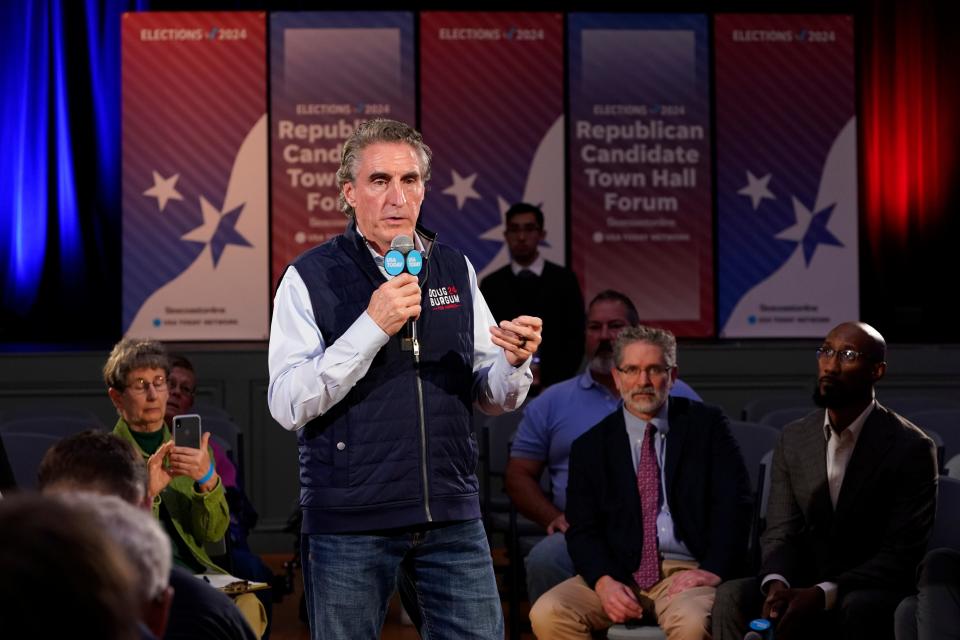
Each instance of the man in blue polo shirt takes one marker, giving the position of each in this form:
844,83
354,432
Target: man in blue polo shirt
552,422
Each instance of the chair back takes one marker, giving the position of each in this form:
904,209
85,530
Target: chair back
59,427
623,632
952,467
760,406
210,410
941,449
780,418
496,434
946,527
754,440
20,456
907,404
47,412
946,422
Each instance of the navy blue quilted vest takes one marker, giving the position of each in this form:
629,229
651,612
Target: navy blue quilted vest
370,463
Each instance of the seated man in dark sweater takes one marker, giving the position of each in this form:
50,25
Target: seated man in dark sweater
534,286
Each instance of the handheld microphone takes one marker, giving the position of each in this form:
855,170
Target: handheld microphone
760,629
403,257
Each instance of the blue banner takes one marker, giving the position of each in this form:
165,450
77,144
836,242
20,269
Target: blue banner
640,164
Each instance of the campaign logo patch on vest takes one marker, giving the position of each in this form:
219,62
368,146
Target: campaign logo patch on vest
442,298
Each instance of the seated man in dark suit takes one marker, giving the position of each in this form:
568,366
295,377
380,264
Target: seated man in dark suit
852,502
658,503
551,422
531,285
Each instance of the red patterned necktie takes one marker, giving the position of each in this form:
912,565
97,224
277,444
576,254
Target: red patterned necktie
648,482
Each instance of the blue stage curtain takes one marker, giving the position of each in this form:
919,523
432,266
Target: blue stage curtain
60,168
25,73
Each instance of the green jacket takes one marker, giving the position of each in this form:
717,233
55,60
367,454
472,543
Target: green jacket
197,517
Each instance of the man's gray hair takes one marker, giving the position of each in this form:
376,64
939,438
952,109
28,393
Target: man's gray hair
137,533
373,132
640,333
130,354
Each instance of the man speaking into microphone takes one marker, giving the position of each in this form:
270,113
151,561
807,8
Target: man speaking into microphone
387,455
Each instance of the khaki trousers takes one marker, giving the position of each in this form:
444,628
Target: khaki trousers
253,612
572,610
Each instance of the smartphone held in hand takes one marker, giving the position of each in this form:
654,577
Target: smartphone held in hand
186,430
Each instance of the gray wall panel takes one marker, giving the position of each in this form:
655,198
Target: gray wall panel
235,378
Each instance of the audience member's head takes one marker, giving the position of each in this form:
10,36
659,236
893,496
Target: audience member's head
607,314
523,232
646,367
182,387
136,376
147,549
98,462
851,360
61,577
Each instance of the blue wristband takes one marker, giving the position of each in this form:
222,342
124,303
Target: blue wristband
202,481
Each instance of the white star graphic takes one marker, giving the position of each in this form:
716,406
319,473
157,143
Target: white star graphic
757,189
164,189
803,216
496,232
462,189
211,220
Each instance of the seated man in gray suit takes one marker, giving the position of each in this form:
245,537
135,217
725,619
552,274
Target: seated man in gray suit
658,504
852,502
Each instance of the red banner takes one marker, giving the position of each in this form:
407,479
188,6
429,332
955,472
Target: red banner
329,72
492,104
640,164
195,176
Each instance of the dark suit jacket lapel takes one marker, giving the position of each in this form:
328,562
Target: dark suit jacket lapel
618,449
874,440
814,460
675,438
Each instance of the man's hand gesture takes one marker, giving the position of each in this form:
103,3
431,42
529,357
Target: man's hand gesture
519,338
394,302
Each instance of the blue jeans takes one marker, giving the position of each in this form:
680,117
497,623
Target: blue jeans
445,575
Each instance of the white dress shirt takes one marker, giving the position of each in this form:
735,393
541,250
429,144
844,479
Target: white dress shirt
535,267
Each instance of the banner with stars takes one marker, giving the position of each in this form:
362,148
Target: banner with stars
640,179
329,72
194,176
491,98
787,175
